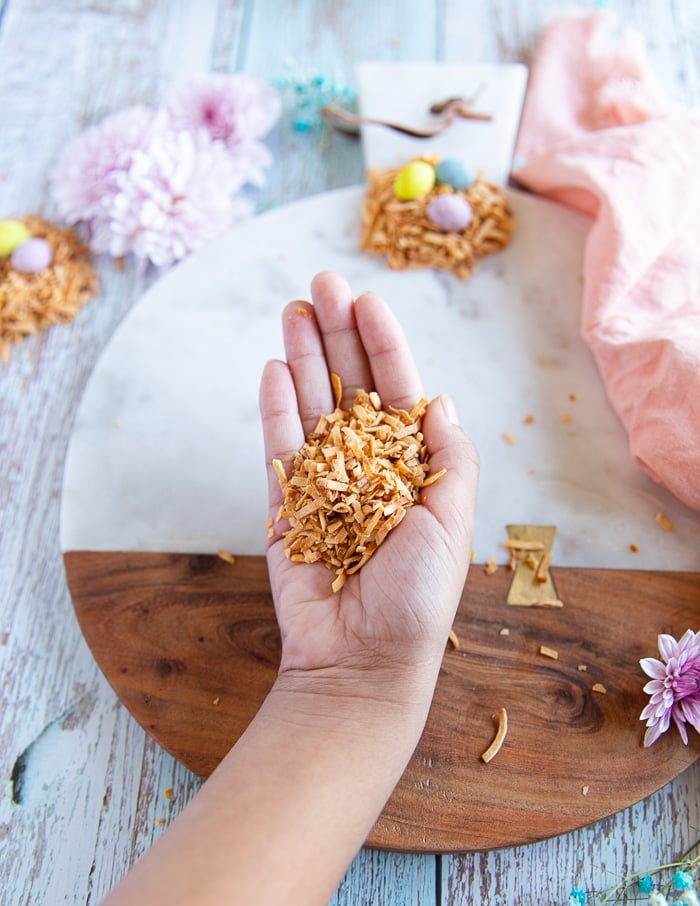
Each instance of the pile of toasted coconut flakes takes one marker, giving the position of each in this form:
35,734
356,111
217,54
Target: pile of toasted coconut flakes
352,482
403,233
30,302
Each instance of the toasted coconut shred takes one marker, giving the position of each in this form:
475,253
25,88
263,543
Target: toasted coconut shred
499,738
352,483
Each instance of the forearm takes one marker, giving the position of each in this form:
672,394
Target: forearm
285,812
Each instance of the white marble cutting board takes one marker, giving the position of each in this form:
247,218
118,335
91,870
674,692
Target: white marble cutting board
166,453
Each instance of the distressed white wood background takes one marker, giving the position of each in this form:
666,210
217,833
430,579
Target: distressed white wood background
91,782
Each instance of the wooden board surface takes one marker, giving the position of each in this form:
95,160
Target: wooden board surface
190,645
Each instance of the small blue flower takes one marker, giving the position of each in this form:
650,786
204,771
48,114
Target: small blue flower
646,884
577,897
306,92
682,880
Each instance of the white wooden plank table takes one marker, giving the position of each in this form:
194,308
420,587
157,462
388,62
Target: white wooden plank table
90,782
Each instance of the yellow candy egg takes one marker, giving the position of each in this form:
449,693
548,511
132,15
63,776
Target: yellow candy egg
414,181
12,234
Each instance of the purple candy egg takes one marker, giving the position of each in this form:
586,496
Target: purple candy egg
31,256
449,212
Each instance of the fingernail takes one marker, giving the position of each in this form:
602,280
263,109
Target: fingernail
449,408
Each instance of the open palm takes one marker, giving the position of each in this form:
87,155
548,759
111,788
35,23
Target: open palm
402,602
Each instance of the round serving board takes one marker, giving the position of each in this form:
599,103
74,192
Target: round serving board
165,467
190,645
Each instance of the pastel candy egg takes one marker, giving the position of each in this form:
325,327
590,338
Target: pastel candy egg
32,256
414,181
12,234
449,212
454,173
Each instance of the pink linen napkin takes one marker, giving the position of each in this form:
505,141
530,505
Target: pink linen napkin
598,135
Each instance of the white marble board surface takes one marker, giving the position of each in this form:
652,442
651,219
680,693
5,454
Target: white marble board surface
166,452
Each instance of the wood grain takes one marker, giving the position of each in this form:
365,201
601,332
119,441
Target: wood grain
191,646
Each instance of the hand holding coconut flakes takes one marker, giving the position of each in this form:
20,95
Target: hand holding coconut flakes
395,599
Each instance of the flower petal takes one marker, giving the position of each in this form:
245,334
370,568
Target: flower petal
679,720
653,667
687,639
654,687
647,712
691,709
668,646
652,734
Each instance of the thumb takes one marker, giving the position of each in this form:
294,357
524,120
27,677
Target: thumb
452,498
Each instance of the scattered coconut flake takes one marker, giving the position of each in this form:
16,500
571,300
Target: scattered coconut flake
517,548
491,567
224,555
549,652
599,687
454,640
517,544
337,389
499,738
541,574
664,522
508,438
539,602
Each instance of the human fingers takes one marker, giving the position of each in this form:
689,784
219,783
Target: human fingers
345,353
452,498
394,372
283,433
306,358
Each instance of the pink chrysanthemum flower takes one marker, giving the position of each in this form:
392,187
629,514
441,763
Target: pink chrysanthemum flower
674,686
175,196
159,185
236,110
86,173
159,193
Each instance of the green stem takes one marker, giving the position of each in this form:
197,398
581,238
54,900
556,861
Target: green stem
621,888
